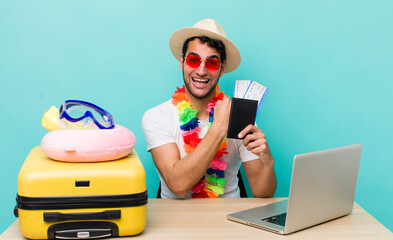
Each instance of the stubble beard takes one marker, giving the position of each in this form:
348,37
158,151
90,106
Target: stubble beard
196,96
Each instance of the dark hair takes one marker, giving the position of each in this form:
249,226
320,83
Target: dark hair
213,43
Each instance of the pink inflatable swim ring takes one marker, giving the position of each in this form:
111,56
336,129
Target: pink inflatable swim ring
88,145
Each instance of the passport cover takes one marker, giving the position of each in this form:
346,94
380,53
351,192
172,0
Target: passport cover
243,113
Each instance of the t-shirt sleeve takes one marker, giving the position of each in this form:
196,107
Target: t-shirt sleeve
157,129
245,155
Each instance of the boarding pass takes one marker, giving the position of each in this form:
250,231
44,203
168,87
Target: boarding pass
248,89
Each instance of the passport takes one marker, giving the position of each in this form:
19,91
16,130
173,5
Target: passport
243,113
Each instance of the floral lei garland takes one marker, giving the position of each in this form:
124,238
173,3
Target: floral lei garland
213,185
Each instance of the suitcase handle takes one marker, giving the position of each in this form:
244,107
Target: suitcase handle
80,230
58,217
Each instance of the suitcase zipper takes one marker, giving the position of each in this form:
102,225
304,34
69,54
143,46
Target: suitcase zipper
100,201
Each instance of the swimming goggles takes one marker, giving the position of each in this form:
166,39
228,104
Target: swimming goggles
77,114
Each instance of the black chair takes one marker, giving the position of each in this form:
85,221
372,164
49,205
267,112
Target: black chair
243,193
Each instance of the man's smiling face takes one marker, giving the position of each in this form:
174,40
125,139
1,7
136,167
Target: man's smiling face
200,81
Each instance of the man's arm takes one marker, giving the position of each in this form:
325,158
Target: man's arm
260,172
181,174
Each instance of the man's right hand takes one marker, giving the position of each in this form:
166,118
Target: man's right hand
222,111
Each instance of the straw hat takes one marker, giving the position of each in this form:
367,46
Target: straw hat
211,29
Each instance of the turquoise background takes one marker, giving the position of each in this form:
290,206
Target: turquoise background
328,65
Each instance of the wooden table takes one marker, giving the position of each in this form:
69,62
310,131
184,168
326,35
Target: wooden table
207,219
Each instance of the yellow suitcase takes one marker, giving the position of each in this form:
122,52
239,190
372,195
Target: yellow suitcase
61,200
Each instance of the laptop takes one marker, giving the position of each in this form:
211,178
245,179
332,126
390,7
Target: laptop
322,188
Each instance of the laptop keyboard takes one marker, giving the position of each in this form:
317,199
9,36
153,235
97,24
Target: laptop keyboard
277,219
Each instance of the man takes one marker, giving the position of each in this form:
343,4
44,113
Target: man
187,134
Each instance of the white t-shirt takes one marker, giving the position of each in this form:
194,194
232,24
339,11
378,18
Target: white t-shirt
161,125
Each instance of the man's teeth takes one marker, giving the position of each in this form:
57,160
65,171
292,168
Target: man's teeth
200,80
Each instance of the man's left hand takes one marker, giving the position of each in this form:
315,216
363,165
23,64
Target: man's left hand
256,142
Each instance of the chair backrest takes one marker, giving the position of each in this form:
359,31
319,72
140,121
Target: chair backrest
243,193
